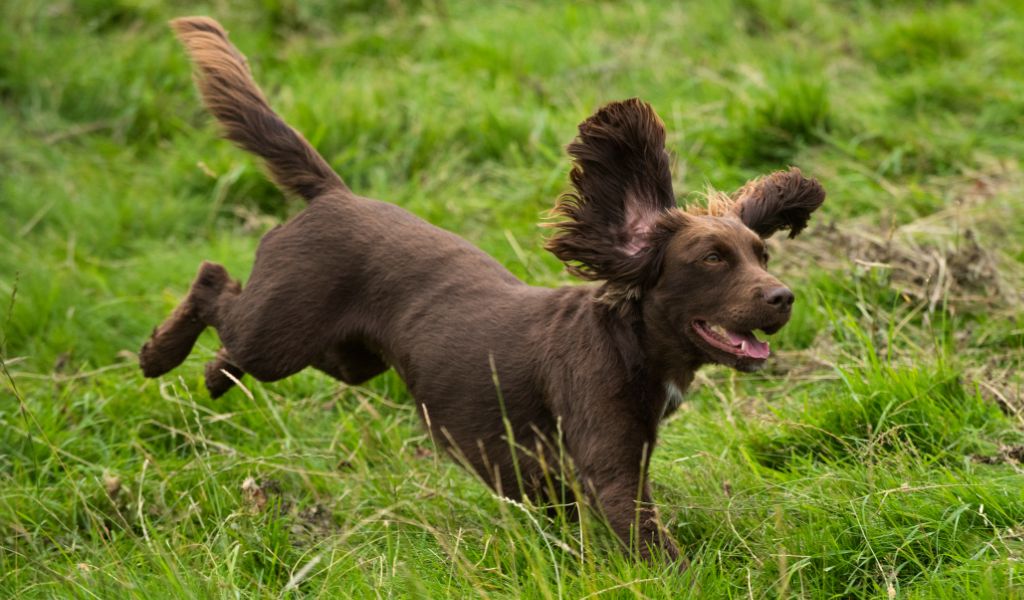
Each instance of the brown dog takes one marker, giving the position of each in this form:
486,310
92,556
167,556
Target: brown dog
353,286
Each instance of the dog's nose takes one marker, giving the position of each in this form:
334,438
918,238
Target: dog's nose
781,298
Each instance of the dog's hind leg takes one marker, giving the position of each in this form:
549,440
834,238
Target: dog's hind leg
172,341
217,374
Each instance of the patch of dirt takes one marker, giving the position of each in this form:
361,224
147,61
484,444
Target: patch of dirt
308,524
973,267
316,521
933,270
1012,455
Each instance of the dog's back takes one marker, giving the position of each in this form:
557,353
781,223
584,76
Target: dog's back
345,273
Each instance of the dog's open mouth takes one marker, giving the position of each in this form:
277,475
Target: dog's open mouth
742,344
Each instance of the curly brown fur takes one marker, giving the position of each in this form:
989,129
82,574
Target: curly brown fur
621,185
780,200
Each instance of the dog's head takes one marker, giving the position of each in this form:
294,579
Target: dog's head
699,276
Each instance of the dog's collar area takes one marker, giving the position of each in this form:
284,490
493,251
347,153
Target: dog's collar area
743,344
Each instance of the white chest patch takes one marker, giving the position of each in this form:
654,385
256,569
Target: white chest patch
673,398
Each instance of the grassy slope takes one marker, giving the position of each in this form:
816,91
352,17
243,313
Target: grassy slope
850,469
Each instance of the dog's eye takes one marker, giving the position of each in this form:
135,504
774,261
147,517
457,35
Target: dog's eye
713,258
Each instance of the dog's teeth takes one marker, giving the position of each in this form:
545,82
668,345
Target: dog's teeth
743,346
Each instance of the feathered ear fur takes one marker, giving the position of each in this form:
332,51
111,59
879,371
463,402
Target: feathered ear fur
622,186
781,200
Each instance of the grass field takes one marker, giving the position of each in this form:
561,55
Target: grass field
878,456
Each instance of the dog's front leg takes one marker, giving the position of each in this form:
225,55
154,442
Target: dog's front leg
612,464
627,505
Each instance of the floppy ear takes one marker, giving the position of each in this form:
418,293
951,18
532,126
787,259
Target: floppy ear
622,185
782,200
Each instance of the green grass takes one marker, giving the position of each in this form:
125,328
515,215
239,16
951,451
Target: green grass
877,457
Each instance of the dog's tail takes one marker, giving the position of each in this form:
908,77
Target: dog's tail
229,92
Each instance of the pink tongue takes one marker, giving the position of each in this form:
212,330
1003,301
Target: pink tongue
754,348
